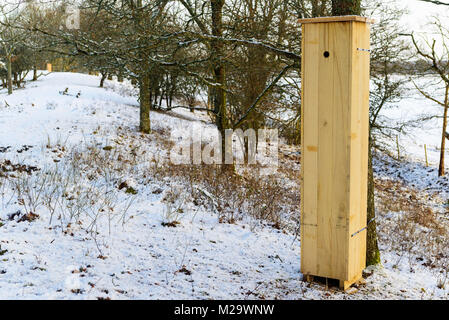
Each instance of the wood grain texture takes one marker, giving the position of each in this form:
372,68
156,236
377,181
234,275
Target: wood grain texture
309,199
334,136
359,147
336,19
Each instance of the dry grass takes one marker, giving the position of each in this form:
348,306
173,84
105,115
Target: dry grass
395,197
80,187
87,183
409,226
234,197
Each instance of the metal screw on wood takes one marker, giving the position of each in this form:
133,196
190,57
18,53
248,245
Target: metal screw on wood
357,232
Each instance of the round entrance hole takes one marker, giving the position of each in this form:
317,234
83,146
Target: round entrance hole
326,54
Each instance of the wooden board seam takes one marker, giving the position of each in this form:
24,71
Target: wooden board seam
336,19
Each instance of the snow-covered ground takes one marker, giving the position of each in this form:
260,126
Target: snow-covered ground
411,107
114,245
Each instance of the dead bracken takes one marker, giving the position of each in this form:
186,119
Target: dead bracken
6,166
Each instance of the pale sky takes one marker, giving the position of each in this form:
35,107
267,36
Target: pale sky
421,12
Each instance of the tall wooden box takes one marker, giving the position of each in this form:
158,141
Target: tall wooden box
334,134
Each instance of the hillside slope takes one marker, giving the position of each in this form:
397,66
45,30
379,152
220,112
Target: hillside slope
102,204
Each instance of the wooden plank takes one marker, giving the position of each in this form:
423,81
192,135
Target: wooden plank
359,148
345,284
365,80
336,19
310,148
355,158
340,35
303,251
325,232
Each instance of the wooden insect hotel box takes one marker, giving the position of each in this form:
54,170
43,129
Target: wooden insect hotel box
334,138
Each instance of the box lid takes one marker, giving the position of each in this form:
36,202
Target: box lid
336,19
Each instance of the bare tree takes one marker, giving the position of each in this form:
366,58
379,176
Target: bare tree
439,64
10,37
133,34
221,39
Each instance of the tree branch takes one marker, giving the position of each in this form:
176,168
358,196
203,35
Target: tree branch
264,92
436,2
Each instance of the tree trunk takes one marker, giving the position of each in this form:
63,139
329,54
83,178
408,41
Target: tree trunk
372,248
9,76
318,8
346,7
144,77
144,97
443,138
315,8
218,94
103,77
34,73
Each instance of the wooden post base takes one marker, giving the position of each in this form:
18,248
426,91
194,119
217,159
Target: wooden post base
308,278
342,284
